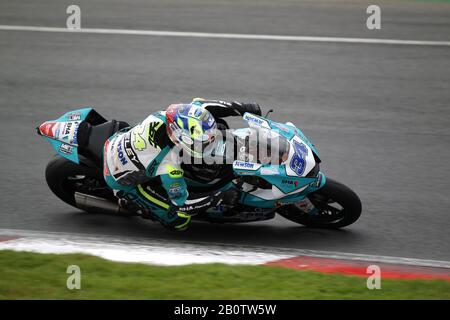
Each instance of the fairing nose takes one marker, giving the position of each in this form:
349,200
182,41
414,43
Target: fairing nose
46,129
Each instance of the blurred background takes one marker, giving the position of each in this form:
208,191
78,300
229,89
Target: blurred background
379,114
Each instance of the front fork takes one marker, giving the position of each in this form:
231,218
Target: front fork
300,200
305,205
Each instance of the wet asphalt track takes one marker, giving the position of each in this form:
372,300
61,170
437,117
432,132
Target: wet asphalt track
379,114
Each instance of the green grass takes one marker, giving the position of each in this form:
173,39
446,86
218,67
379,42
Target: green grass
444,1
43,276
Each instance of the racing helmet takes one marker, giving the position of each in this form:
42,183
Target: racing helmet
192,128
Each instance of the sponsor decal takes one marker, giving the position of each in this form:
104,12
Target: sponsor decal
290,182
175,190
74,116
300,148
121,154
243,165
67,128
196,206
269,171
66,149
75,134
298,162
252,119
176,173
131,153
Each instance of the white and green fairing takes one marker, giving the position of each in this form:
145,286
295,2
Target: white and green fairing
293,179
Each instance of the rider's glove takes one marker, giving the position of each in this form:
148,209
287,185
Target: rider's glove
129,207
247,107
125,203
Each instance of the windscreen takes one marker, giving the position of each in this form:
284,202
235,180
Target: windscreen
264,146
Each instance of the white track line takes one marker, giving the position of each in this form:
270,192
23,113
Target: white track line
226,36
150,251
170,252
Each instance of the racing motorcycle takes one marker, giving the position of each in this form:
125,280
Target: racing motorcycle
293,187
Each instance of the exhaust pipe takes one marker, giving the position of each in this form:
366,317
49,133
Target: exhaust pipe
91,203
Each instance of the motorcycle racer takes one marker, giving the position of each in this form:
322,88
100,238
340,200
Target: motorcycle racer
151,151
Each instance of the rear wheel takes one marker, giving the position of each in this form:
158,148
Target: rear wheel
65,177
337,206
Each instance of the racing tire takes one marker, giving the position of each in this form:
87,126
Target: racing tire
325,200
65,177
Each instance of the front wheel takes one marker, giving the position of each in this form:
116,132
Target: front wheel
336,206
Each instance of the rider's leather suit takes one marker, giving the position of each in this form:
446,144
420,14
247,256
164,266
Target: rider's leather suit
137,155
